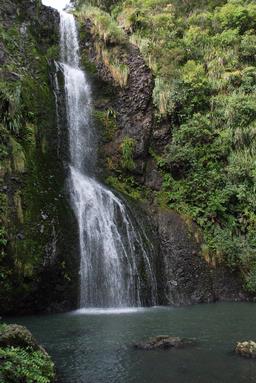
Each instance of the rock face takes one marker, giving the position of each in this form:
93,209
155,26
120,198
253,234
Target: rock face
164,342
184,277
134,107
132,103
246,349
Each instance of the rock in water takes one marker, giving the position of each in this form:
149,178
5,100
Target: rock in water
246,349
164,342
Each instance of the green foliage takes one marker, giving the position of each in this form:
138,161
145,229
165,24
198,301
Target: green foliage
127,186
53,52
104,26
127,149
19,365
162,96
10,106
238,14
107,120
3,326
250,279
104,4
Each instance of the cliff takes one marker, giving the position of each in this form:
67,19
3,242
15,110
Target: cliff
38,229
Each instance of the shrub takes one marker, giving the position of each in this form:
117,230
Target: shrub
235,14
25,366
162,96
104,26
127,148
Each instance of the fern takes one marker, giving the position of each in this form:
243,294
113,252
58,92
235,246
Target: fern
25,366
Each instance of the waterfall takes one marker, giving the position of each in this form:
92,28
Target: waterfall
112,249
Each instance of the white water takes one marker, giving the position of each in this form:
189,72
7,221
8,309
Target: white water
110,311
58,4
111,248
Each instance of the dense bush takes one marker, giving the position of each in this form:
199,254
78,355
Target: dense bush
127,148
18,365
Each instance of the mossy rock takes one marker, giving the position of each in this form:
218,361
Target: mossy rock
18,336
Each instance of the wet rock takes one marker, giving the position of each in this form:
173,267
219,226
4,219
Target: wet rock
179,266
184,277
153,177
246,349
164,342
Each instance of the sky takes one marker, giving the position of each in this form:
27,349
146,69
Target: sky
58,4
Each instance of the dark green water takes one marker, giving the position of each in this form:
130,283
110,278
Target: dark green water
97,348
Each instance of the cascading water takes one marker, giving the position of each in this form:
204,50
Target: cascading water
110,247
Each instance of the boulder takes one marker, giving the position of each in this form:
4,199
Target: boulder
164,342
18,336
246,349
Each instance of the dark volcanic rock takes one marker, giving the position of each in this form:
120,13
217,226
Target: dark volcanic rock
184,276
164,342
134,104
153,177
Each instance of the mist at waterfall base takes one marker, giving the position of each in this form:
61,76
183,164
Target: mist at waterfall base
112,247
98,347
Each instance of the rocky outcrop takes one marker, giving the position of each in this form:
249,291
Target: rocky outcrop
18,336
164,342
132,103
